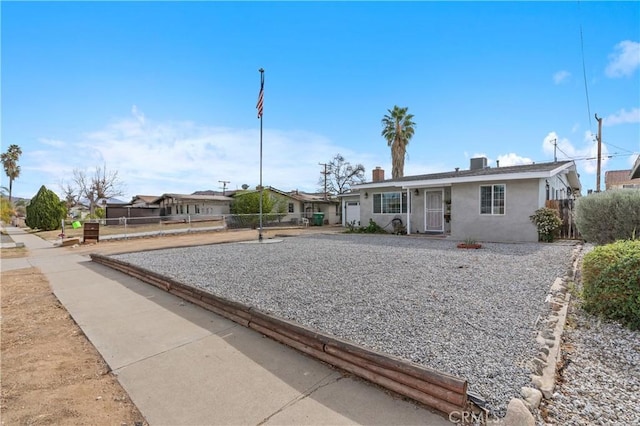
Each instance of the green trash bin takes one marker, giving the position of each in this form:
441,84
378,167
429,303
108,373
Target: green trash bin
317,218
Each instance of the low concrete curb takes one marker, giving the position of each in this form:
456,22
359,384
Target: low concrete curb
12,245
441,391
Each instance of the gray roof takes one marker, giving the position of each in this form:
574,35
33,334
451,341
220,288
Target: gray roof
482,174
194,197
487,171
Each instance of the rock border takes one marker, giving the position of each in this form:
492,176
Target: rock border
549,340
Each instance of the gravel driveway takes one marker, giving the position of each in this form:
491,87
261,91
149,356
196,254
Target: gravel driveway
470,313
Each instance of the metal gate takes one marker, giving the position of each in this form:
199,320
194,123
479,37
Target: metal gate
566,211
434,213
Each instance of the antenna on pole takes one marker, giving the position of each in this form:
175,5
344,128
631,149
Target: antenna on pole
224,185
555,147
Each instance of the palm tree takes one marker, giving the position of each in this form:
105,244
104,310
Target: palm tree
398,131
10,164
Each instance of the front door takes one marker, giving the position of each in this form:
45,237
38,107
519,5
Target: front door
434,213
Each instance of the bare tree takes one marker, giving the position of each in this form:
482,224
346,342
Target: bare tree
102,184
341,175
69,194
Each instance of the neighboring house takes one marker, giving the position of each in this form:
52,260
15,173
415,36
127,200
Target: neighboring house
141,209
178,205
303,205
618,179
79,211
148,201
482,203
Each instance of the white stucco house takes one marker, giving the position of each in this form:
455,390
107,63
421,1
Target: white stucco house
178,205
482,203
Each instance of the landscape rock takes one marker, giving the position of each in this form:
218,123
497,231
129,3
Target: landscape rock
518,414
531,396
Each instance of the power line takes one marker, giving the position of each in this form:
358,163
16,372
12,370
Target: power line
612,155
584,68
617,147
565,154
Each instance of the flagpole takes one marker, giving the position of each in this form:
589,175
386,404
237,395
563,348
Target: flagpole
260,104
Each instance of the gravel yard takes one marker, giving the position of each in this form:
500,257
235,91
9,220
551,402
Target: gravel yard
471,313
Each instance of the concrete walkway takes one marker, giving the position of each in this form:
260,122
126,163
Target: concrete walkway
183,365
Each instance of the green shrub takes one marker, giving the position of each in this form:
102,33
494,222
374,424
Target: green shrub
608,216
371,228
611,282
46,211
6,210
547,221
98,213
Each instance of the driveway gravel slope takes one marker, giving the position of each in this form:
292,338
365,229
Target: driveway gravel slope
470,313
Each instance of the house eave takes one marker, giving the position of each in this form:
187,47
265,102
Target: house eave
448,181
635,171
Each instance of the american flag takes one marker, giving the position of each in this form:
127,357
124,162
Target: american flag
260,99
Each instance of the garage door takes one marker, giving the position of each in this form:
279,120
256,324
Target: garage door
353,212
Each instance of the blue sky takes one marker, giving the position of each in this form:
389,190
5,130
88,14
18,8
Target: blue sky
165,93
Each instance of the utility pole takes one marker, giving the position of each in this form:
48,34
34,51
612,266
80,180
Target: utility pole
224,185
599,138
325,173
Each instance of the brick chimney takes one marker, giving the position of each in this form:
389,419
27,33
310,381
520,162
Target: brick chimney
378,174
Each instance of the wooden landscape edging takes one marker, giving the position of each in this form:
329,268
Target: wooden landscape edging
444,392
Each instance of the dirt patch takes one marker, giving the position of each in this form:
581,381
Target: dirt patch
12,253
51,373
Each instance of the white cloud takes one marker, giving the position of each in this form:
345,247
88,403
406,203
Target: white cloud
633,159
513,159
622,117
52,142
575,128
505,160
154,158
137,114
624,60
585,155
561,76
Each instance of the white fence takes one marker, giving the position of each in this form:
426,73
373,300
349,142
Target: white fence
125,227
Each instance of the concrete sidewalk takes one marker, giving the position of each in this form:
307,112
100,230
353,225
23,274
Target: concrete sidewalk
183,365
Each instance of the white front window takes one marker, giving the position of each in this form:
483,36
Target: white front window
390,202
492,199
